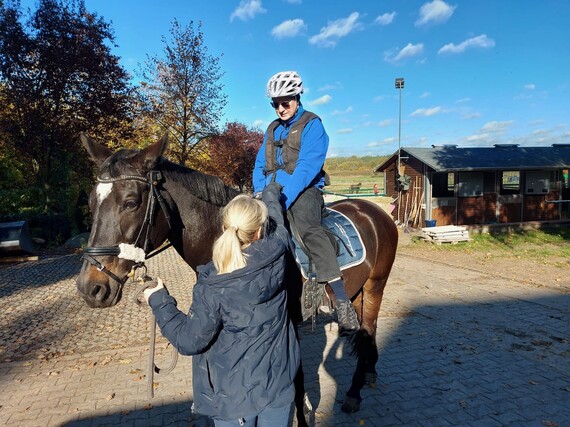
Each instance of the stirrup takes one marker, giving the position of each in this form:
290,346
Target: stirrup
326,304
311,299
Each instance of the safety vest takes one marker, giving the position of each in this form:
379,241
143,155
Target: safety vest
291,145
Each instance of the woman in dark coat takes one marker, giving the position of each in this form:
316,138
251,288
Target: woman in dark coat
246,354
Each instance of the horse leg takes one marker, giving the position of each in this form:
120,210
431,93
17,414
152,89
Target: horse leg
364,345
352,401
372,358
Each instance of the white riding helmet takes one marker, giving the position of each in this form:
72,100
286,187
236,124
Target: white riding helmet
284,83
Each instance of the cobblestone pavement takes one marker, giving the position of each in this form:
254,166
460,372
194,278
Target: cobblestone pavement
457,347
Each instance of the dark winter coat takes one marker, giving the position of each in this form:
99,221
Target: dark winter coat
246,354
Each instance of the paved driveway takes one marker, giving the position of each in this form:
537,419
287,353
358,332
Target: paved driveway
457,348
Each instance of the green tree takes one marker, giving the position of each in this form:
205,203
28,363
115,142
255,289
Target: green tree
58,78
181,91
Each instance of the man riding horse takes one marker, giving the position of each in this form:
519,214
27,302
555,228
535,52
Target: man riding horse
293,154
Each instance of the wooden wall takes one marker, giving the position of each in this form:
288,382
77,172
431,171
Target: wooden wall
490,208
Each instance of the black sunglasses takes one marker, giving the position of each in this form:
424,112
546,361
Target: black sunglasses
284,104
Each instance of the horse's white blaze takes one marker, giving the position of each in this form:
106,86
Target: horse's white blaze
131,252
103,190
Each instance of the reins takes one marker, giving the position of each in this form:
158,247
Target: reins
145,283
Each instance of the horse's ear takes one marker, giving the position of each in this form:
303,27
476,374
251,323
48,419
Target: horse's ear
97,152
150,155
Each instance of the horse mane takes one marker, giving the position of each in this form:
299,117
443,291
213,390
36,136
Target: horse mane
208,188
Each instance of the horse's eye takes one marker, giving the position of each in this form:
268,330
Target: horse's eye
130,204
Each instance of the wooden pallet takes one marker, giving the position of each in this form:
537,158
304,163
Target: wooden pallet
445,234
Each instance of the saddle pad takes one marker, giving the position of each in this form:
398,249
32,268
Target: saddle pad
345,234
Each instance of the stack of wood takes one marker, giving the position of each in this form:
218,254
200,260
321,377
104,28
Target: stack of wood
445,234
412,202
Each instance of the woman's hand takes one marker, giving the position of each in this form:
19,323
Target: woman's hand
149,291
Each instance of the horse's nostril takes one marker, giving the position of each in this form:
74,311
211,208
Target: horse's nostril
99,292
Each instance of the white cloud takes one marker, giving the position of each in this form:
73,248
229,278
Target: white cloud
385,19
258,123
435,12
530,86
410,50
536,122
426,112
425,95
329,35
337,112
496,127
522,96
327,87
385,141
325,99
480,138
462,100
294,1
344,131
481,41
469,116
386,123
290,28
247,10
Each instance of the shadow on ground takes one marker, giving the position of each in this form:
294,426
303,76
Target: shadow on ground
504,362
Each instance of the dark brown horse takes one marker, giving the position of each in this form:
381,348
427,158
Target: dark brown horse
141,200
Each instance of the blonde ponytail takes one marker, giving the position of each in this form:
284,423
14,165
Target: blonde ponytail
241,220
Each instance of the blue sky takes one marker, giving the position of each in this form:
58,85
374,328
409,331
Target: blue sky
477,73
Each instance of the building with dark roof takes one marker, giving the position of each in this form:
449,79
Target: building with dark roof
505,183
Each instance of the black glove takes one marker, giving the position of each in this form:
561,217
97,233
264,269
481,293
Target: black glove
272,193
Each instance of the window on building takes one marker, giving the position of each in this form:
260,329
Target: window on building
443,184
510,182
470,184
537,182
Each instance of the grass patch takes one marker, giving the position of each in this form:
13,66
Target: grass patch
549,245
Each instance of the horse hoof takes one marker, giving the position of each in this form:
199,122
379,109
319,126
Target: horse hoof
370,379
351,405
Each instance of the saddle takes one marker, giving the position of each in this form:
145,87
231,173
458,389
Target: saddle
350,253
343,234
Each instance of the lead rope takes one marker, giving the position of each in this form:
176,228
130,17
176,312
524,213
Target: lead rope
145,283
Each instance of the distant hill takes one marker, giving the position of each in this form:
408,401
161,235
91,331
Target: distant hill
353,165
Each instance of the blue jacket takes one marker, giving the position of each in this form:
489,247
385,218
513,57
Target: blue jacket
246,354
307,173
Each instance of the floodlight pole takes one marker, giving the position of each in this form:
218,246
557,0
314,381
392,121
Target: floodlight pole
399,86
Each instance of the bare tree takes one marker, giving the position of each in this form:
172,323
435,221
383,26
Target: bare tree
181,91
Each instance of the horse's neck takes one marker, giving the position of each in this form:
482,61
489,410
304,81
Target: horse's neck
197,226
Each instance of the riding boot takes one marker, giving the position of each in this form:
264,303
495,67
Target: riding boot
346,315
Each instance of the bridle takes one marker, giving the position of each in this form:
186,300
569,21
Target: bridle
153,180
